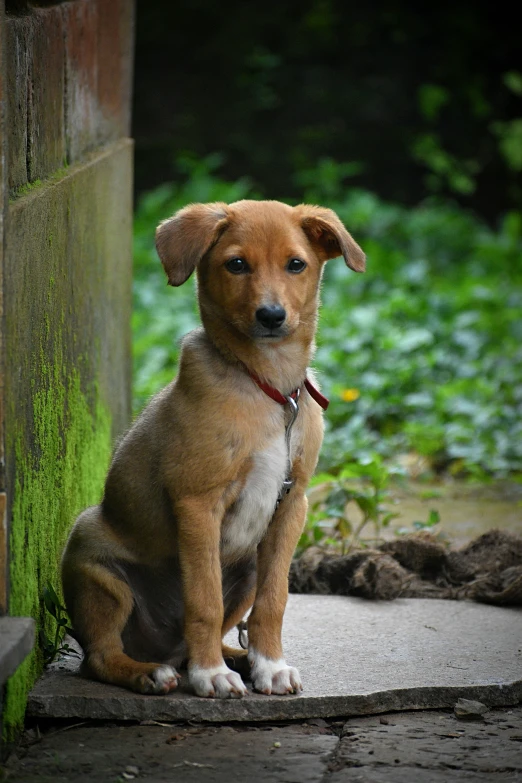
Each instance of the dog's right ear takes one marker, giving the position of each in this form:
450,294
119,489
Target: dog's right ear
327,233
183,239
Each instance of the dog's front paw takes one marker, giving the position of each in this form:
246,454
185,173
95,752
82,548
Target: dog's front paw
218,682
160,680
269,676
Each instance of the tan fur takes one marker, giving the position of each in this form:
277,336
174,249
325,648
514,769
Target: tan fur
151,556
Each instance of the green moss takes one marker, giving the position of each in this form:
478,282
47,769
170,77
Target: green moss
62,473
28,187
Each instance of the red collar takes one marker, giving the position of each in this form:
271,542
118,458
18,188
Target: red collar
276,395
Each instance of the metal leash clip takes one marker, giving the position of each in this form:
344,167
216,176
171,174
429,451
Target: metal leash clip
294,410
242,634
288,483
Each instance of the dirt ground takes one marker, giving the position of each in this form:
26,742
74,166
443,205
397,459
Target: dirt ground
409,747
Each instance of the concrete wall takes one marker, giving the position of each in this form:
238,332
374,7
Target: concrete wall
66,282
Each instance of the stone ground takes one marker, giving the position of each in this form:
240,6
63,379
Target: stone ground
401,747
362,657
366,666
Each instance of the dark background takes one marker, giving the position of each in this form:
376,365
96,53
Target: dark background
413,99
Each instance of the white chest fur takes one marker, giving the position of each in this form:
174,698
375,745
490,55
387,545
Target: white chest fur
247,521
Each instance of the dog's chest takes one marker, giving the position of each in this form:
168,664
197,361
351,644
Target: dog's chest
246,522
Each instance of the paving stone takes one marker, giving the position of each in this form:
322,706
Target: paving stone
433,741
356,657
16,642
411,747
169,753
400,774
429,746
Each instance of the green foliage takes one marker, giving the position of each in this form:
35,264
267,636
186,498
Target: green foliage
346,504
445,169
431,337
54,646
457,173
510,141
422,353
414,97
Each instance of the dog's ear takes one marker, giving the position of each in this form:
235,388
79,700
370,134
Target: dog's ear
183,239
326,232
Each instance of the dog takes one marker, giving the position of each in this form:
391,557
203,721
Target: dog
204,501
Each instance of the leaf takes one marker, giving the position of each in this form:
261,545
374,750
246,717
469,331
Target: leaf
433,518
367,505
513,81
344,527
387,518
50,604
51,600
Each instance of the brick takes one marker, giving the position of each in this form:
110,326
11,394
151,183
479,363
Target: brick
82,116
46,147
18,31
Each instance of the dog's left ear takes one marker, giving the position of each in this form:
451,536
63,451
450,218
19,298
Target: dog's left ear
326,232
183,239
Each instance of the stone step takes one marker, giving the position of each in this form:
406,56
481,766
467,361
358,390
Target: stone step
356,657
16,642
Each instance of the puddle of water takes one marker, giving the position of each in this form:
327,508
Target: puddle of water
466,510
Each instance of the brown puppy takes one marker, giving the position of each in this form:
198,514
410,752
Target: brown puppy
195,526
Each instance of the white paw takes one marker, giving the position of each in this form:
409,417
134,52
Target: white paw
269,676
218,682
161,680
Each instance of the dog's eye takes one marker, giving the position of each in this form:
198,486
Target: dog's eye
237,266
295,265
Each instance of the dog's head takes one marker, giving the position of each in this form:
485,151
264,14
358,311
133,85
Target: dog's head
259,263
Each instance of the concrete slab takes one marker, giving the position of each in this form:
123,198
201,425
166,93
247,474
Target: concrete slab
406,747
16,642
356,657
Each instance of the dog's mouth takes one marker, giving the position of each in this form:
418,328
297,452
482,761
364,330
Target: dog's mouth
262,333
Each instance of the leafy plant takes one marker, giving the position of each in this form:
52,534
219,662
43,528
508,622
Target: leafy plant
345,504
54,646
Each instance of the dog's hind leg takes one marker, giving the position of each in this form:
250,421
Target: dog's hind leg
99,605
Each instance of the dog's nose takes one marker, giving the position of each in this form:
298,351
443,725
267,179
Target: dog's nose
271,316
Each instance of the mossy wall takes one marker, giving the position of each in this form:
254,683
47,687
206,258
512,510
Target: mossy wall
67,298
61,475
